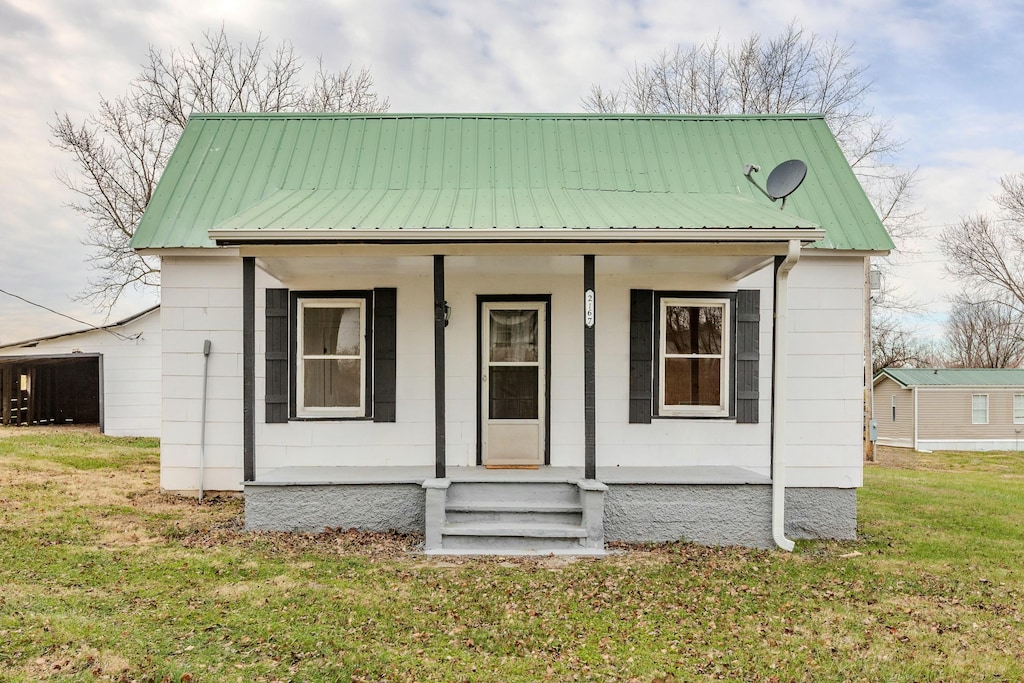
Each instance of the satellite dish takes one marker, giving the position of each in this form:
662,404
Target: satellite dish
785,178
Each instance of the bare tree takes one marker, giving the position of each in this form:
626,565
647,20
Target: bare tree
987,254
895,345
120,152
794,72
984,334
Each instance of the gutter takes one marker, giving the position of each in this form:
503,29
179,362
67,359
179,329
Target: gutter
780,351
446,235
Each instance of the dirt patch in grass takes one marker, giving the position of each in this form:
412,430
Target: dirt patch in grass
47,430
64,662
890,456
330,542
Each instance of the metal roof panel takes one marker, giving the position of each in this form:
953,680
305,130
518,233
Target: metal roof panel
974,377
466,171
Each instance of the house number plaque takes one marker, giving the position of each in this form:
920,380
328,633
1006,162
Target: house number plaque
588,307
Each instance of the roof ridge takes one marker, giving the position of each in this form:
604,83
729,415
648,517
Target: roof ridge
504,115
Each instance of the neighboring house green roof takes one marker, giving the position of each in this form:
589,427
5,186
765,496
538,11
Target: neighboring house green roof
296,173
973,377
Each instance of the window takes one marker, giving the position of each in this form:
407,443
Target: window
979,409
893,408
1018,409
694,357
331,372
331,355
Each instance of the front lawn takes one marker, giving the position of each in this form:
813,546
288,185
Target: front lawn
103,578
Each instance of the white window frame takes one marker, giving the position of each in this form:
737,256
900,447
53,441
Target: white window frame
301,410
1018,409
975,409
722,409
894,407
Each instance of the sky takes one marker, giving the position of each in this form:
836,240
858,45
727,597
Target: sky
946,74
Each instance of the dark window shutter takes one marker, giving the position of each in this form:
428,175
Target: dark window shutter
385,356
276,398
748,330
641,355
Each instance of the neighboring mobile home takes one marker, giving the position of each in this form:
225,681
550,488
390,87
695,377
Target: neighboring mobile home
964,409
109,376
530,332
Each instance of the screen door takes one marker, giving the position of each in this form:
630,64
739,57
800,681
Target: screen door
512,383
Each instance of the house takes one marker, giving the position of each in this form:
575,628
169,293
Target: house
516,332
107,375
963,409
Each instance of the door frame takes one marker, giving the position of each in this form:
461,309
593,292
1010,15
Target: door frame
545,300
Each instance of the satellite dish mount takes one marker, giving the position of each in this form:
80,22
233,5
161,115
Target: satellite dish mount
782,181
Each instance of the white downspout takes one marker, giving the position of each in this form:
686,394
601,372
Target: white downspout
779,398
202,419
914,390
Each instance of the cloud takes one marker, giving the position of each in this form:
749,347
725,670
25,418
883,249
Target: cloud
946,71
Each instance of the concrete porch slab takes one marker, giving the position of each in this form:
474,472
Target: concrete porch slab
327,476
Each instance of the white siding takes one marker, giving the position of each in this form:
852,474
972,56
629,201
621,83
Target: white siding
825,406
131,371
202,299
675,442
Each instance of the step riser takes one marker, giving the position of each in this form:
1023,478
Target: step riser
509,543
525,493
525,517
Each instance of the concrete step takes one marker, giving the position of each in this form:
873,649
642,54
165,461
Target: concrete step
503,538
525,493
513,506
509,529
512,515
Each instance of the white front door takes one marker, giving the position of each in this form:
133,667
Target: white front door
513,380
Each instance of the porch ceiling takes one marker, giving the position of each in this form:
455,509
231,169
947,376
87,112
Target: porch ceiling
288,268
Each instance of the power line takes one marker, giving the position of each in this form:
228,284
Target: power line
64,315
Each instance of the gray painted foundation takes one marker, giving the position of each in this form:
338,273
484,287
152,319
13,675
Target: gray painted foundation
821,513
708,514
725,515
367,507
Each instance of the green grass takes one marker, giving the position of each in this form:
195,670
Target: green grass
102,578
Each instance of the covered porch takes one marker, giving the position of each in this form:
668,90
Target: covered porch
570,499
475,510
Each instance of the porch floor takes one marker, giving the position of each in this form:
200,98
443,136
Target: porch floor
328,476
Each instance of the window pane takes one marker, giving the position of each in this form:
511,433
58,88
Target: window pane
513,392
331,383
693,381
330,331
513,336
979,409
693,329
1018,408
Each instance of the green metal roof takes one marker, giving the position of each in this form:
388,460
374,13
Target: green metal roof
974,377
289,174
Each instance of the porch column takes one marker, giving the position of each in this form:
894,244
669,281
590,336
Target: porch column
249,368
439,394
589,370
